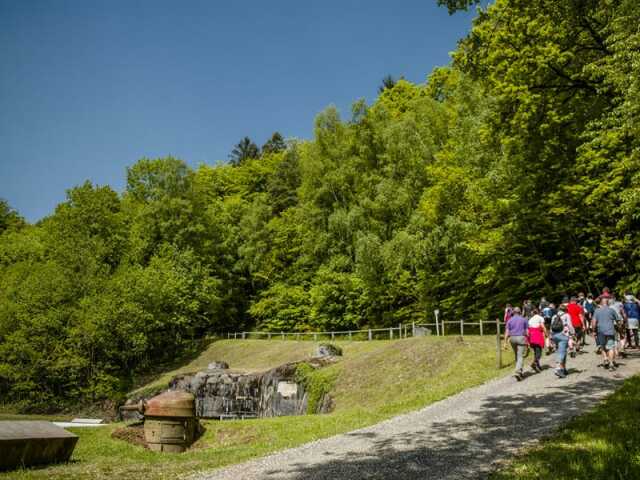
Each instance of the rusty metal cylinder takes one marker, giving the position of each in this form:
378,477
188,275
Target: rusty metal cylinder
170,424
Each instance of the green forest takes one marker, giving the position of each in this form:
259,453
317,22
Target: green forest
512,172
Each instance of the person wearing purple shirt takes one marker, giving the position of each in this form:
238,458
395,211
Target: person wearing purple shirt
517,329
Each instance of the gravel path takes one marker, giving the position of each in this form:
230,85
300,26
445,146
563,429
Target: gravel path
461,437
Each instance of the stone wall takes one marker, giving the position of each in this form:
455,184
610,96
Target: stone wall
224,394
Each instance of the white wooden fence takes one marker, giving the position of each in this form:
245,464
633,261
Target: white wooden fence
401,331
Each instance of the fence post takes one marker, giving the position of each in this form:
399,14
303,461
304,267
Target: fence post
243,335
413,328
297,336
282,333
498,345
370,338
315,337
349,334
481,327
391,333
461,327
400,330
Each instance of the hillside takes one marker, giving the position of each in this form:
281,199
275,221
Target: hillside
369,375
373,381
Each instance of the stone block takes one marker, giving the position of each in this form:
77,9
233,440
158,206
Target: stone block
26,443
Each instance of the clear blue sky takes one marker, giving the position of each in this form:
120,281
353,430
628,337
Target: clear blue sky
89,87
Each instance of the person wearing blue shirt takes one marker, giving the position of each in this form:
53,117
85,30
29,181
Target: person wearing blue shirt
632,312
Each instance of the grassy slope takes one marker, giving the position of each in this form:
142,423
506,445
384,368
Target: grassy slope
601,445
375,380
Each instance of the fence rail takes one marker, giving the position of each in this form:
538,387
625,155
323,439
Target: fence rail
401,331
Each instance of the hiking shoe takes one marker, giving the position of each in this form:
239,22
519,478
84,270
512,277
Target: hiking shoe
572,354
518,376
560,373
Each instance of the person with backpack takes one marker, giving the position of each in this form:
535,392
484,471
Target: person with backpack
516,332
537,336
604,323
632,310
561,332
544,303
621,328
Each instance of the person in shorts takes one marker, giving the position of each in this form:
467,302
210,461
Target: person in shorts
632,311
621,325
604,322
589,307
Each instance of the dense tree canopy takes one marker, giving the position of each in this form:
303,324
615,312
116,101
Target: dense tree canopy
513,172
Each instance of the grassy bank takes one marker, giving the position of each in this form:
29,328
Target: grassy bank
601,445
373,381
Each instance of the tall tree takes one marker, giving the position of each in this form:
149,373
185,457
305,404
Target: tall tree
244,150
456,5
8,217
388,82
274,144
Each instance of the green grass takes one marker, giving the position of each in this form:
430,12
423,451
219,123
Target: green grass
603,444
374,381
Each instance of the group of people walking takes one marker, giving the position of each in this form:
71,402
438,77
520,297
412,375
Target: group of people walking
564,329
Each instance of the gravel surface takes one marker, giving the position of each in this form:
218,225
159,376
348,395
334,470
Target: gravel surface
462,437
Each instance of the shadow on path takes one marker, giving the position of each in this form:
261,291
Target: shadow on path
463,448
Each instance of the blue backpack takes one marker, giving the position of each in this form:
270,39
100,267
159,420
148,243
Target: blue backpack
632,310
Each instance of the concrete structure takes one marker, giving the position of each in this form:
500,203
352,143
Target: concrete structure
26,443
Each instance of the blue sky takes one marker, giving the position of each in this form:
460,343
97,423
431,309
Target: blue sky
89,87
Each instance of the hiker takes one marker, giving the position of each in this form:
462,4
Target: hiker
543,304
561,332
621,330
508,313
604,322
516,332
605,294
589,307
577,320
548,314
537,336
632,311
527,308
